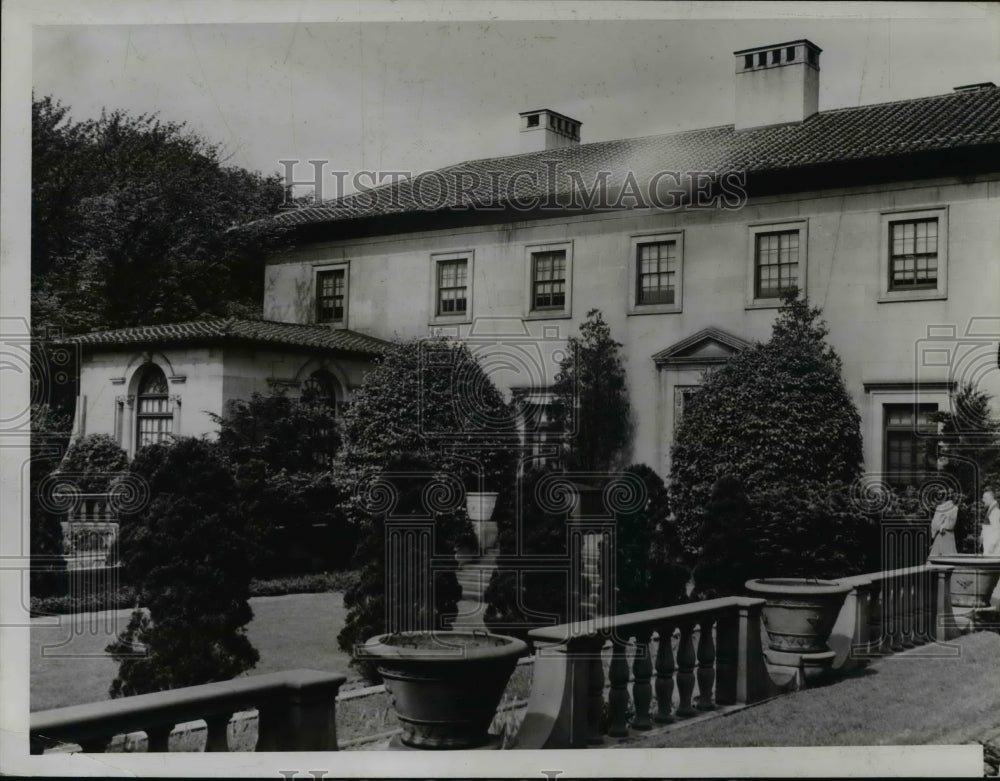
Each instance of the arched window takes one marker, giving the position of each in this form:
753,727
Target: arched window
154,414
320,388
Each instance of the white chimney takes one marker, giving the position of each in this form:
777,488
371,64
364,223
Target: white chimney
777,84
544,129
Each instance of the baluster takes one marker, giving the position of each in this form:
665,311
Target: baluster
706,665
595,696
726,656
158,738
618,696
642,672
895,615
925,606
686,660
876,619
217,732
664,674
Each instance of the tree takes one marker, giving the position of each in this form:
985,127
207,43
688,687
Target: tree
592,398
187,555
279,451
725,553
778,418
969,446
427,407
137,220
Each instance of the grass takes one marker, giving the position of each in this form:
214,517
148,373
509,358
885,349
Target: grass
907,699
70,667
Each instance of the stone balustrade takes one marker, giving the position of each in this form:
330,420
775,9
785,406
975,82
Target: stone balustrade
297,712
718,661
891,611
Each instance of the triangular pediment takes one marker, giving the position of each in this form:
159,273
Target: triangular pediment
708,346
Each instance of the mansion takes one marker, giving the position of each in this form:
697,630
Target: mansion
887,216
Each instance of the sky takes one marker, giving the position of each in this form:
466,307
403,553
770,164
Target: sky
418,95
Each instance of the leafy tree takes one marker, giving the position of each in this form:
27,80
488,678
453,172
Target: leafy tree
725,549
50,434
137,220
279,451
592,397
92,462
778,418
969,444
187,555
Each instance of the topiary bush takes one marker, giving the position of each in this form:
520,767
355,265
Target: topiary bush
726,550
187,556
778,418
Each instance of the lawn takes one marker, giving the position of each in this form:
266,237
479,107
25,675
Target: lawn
906,699
69,667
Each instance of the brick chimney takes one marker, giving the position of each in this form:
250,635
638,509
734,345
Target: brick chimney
544,129
776,84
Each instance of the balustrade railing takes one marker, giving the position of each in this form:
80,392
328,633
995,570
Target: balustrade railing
891,611
297,712
708,653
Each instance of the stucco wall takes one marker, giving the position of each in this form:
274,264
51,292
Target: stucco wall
390,286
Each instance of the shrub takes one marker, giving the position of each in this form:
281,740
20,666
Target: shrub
93,461
726,551
186,554
592,398
49,437
279,451
778,418
390,598
649,569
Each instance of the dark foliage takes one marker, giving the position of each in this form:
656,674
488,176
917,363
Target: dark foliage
186,554
137,220
93,462
49,439
388,596
279,451
726,551
592,398
778,418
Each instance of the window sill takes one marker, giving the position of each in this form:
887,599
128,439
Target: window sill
887,297
763,303
543,314
654,309
463,319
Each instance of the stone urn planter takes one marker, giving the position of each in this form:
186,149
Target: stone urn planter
800,612
445,686
972,582
480,506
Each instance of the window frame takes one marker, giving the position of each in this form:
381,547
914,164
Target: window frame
757,229
915,432
437,258
554,313
321,268
632,294
141,415
889,218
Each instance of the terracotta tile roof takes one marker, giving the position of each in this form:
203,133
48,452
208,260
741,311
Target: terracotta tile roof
234,329
945,122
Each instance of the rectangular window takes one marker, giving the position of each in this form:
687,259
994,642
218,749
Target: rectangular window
331,295
656,278
776,263
548,280
452,287
910,454
913,254
155,418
